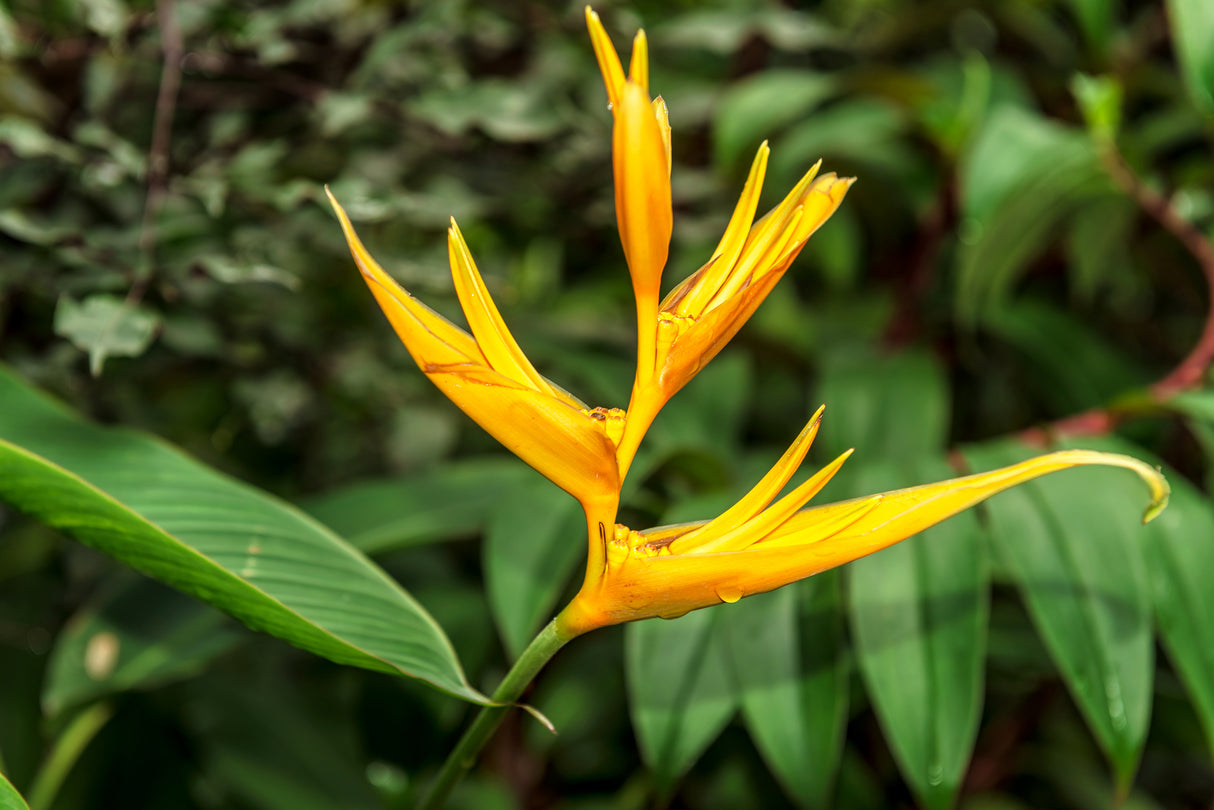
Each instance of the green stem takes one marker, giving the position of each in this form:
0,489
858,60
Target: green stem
463,756
67,749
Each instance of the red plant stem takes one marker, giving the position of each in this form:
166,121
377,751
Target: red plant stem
172,49
1190,371
1194,366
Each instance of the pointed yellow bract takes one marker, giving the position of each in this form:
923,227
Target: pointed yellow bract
753,548
487,375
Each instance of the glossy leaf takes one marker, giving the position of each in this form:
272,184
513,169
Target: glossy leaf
241,550
535,538
136,636
790,666
446,503
10,799
919,621
680,692
1073,545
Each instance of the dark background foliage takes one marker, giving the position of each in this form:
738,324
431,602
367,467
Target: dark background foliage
169,263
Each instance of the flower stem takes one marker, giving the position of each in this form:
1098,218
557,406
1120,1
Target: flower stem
463,756
67,749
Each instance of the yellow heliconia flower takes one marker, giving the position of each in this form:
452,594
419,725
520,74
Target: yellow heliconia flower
487,375
679,335
757,546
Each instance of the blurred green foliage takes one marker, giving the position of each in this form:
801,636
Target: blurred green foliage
987,273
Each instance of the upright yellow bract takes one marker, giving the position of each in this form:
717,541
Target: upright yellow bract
760,543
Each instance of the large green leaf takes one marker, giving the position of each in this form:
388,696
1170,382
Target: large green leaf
452,501
679,690
10,799
1023,175
1192,23
137,635
241,550
536,536
1179,550
274,747
1089,372
896,406
1073,544
789,664
760,106
919,619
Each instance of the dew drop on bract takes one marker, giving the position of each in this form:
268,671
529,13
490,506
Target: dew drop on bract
729,595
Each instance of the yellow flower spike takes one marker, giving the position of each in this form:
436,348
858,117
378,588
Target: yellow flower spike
491,380
647,574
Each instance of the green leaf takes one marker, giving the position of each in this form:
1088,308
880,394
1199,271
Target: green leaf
679,690
864,130
897,405
758,107
1180,558
1098,251
791,671
449,502
536,536
1023,175
1073,544
105,326
1192,23
919,620
1197,404
136,636
1100,99
10,799
243,551
1096,21
1088,373
275,747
